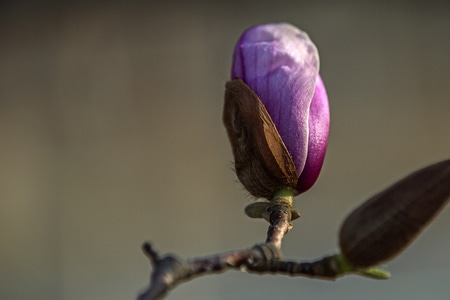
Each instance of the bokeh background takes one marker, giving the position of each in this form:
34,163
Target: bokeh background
111,134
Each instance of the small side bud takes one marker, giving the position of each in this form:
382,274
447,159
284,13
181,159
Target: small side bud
262,162
388,222
256,209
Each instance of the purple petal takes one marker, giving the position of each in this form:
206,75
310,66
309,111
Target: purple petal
319,124
280,63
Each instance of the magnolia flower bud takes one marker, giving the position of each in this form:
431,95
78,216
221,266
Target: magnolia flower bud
278,65
385,224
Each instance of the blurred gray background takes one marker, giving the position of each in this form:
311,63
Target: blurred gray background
111,134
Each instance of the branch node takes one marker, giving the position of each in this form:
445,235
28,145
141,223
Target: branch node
268,251
151,252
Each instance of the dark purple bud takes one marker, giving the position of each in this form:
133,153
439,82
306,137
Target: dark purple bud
388,222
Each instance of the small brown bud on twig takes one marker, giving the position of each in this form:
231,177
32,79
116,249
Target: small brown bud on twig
385,224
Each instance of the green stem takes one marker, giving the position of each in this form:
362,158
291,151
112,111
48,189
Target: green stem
286,193
372,272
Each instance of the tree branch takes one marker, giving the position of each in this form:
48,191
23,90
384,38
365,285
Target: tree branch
170,270
279,215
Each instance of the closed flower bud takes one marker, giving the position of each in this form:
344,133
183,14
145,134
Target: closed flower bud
276,93
385,224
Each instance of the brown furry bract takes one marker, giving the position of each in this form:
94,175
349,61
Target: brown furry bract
262,161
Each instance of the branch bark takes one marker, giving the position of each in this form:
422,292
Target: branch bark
170,270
